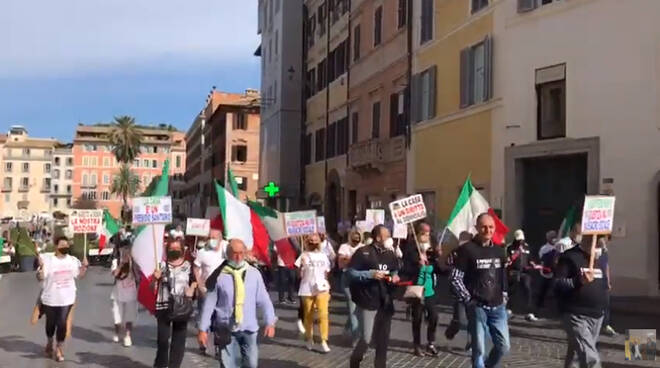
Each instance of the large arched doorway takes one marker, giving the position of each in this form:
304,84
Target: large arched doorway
332,202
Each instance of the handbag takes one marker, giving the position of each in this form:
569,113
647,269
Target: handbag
414,292
180,307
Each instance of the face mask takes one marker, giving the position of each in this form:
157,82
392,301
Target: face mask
64,250
356,240
201,244
425,246
388,243
235,265
173,254
213,243
578,238
599,252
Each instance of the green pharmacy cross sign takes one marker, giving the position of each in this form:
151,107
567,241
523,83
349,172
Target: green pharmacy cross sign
271,189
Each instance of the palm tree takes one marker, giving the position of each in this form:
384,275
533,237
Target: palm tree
125,184
125,138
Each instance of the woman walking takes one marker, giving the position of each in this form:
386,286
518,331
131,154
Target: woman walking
345,253
315,290
124,293
175,283
58,272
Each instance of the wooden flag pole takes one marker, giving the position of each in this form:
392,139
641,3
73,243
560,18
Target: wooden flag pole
419,250
85,246
592,257
153,235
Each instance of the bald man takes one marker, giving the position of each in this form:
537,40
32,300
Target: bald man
479,280
231,306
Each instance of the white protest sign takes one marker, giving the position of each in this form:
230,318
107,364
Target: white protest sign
152,210
409,209
85,221
364,226
400,231
300,223
320,224
198,227
598,215
376,217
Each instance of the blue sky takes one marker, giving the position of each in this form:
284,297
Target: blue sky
69,61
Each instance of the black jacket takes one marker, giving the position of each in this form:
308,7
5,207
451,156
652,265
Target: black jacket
368,293
480,274
574,297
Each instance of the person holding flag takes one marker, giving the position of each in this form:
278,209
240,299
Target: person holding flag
58,273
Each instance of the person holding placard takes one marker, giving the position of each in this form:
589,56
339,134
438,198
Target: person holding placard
314,267
582,296
345,253
124,292
58,273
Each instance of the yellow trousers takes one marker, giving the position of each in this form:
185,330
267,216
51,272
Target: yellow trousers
319,302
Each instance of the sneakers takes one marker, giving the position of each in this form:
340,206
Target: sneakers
58,356
115,338
301,327
419,351
431,350
610,331
531,318
291,301
324,347
509,313
127,341
310,345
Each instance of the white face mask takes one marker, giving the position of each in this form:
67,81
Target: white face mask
425,246
599,252
389,243
214,243
201,244
578,238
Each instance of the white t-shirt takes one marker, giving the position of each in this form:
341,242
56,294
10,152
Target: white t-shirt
59,285
329,251
209,259
348,250
313,268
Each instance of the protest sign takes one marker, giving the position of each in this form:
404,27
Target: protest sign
300,223
198,227
364,226
400,231
152,210
598,215
85,221
320,224
409,209
377,217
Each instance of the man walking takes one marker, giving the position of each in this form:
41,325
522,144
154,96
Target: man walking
232,309
372,271
479,279
582,297
518,267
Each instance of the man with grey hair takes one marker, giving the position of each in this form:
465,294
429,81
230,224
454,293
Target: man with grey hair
236,291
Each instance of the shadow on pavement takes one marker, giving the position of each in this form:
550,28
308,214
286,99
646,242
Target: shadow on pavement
87,335
276,363
16,344
109,360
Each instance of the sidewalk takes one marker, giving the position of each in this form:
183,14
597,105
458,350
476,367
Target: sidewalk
644,305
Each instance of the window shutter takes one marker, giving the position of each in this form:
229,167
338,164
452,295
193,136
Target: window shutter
416,98
465,77
488,72
526,5
432,92
394,114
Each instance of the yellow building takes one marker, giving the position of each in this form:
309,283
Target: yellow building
326,116
452,100
26,174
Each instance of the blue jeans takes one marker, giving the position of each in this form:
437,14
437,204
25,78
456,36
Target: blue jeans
352,320
482,321
242,351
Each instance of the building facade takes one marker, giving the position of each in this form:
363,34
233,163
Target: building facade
281,101
95,165
325,142
26,174
61,194
581,115
452,102
378,104
225,134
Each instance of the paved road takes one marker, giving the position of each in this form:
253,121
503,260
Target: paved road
21,345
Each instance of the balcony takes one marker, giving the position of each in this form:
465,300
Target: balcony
375,154
88,186
7,188
45,189
23,188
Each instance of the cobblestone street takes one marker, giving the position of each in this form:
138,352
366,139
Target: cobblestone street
539,344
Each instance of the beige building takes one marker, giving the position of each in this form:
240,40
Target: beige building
26,174
326,112
61,194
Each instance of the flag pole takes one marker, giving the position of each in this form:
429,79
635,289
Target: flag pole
84,246
416,241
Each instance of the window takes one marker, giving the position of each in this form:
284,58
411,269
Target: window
56,174
340,59
69,161
69,174
241,183
7,197
45,186
342,136
476,73
106,162
56,188
92,180
354,128
356,43
178,162
85,161
57,161
277,40
396,114
426,27
68,189
26,167
330,148
68,202
154,164
6,185
423,98
478,5
375,120
136,163
105,196
321,71
322,14
85,180
106,179
145,163
378,26
239,122
26,152
402,14
25,183
307,149
55,202
551,102
8,167
239,153
311,28
320,145
310,87
277,6
46,168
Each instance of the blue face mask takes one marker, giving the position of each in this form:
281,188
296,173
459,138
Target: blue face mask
213,243
233,264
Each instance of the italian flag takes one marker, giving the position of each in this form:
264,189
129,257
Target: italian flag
469,206
273,221
567,223
108,230
143,246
